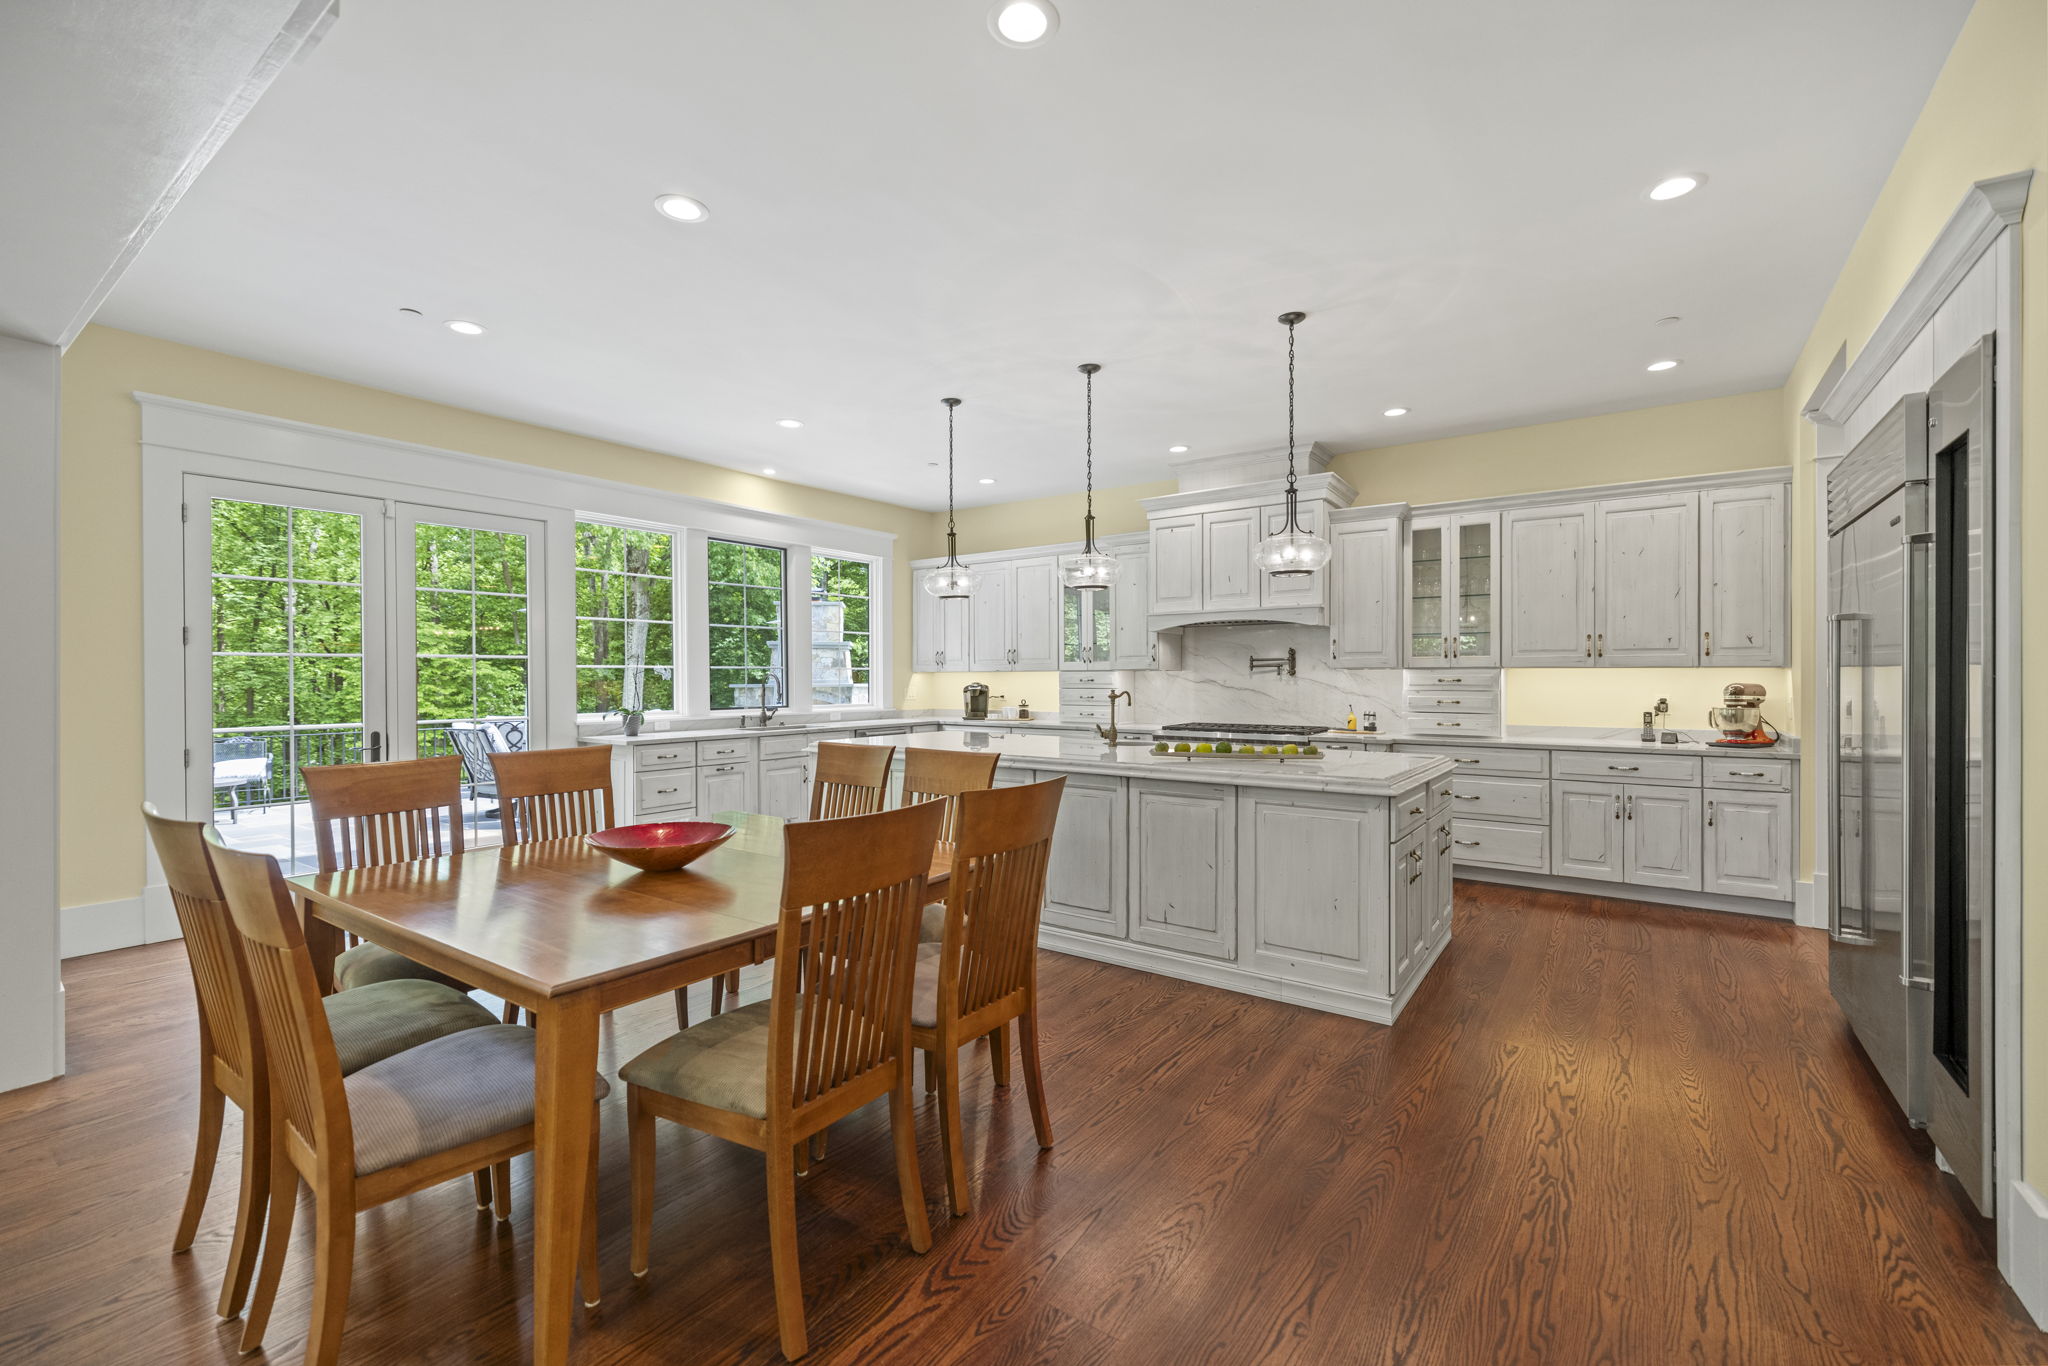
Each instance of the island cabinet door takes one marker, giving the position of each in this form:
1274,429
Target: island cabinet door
1663,836
1183,882
1085,879
1444,890
1588,821
1412,897
1312,887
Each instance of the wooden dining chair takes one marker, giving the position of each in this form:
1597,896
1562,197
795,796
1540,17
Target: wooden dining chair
983,974
367,815
825,1043
552,794
446,1108
850,780
944,773
368,1025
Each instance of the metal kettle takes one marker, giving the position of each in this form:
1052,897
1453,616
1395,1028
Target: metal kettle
974,702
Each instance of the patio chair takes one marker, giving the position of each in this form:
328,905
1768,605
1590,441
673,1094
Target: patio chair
240,762
474,742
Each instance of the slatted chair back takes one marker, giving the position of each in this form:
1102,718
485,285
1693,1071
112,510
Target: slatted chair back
552,794
227,1015
305,1072
365,815
990,952
850,780
930,773
848,1013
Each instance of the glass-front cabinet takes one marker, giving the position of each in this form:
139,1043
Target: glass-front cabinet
1087,626
1453,582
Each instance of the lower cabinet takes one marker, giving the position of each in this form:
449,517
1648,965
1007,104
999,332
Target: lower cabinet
1312,886
1748,845
786,788
1183,887
1662,836
1414,894
1588,829
1085,883
726,787
1444,885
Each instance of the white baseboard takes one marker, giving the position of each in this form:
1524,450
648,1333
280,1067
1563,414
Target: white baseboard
1810,903
108,925
2023,1235
1629,891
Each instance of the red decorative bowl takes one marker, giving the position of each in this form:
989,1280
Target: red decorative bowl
662,847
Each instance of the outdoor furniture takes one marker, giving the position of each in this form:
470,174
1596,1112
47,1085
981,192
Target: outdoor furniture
475,741
983,974
367,1026
240,762
829,1040
458,1105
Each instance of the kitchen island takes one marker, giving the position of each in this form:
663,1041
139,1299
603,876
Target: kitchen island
1325,882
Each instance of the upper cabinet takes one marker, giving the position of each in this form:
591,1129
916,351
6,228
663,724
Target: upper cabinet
1230,581
1177,563
1012,622
1365,591
940,629
1131,598
1743,604
1453,579
1204,547
1295,590
1034,613
993,626
1681,579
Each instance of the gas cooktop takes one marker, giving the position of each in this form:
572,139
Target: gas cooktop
1230,730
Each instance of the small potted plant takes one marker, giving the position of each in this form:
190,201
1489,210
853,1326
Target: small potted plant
609,697
629,719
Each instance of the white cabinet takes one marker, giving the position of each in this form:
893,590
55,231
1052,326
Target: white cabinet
1649,587
941,638
726,787
1177,563
1662,836
1365,593
1453,581
1743,604
1587,830
1230,581
1444,880
786,787
1748,845
1086,887
1035,613
1313,886
1549,566
1410,890
1131,600
1183,885
992,624
1293,590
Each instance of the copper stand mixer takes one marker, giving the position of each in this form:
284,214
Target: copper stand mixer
1740,718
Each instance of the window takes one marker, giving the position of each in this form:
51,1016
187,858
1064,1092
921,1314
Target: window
841,629
470,610
625,619
745,627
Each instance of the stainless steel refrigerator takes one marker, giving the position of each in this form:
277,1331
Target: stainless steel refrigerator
1910,880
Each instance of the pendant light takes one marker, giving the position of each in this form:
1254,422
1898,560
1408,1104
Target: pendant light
1291,552
951,579
1092,569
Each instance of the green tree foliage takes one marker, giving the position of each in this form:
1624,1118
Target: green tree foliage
625,610
745,597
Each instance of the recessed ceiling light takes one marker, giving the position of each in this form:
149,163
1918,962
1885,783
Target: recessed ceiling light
465,327
1662,365
767,470
681,208
1677,185
1023,23
1176,450
789,422
1395,412
988,481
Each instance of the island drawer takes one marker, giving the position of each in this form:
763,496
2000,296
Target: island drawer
1411,809
1439,795
786,746
1628,768
1495,763
725,751
1500,845
1482,702
671,790
1774,775
1507,799
653,756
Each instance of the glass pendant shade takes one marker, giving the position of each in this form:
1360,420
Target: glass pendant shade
953,580
1291,552
1090,571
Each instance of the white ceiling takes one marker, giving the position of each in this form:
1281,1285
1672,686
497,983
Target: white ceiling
903,209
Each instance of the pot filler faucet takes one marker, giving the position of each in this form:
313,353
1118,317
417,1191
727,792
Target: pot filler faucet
1110,734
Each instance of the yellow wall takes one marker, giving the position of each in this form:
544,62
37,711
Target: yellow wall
942,691
101,649
1986,116
1046,521
1619,697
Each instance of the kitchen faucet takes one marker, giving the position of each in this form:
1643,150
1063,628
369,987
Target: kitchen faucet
1110,734
767,712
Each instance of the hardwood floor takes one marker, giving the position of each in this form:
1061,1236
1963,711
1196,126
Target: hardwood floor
1603,1132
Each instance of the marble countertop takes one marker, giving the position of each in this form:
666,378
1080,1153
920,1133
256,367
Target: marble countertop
663,737
1354,773
1597,738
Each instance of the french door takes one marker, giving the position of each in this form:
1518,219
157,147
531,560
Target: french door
325,628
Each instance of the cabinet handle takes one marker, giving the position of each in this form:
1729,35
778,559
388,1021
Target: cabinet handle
1469,844
664,792
1631,806
1414,810
1710,644
1459,679
1622,768
1450,723
1444,829
1617,806
1600,645
1589,644
1415,855
1710,815
678,756
1461,797
1450,702
1464,761
1738,773
1414,877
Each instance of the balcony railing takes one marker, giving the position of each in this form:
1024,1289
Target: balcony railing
271,776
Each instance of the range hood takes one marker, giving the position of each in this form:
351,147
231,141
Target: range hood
1225,507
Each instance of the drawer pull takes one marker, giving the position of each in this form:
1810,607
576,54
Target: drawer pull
1469,844
668,756
1451,680
1461,797
1622,768
1414,878
665,791
1464,761
1450,702
1414,810
1450,723
1738,773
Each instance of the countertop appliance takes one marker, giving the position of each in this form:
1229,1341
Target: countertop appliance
1740,717
1910,881
1244,730
974,702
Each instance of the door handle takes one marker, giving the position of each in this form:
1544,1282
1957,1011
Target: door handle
1920,882
1709,637
1838,928
1617,806
1710,815
1589,644
1631,806
1600,645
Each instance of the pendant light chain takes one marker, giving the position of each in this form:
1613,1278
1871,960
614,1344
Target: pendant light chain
1293,503
1093,569
951,404
1089,442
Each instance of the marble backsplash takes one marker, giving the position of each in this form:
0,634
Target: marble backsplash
1214,682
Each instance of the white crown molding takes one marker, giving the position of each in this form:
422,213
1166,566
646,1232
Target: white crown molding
1680,483
1369,512
1989,208
1333,489
1223,469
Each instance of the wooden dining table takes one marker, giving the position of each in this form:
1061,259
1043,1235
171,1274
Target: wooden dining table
566,932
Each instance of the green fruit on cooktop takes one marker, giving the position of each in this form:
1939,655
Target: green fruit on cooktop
1223,747
1311,749
1181,748
1205,748
1160,748
1290,749
1270,749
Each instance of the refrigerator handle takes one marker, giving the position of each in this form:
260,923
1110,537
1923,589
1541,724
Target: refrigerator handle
1915,757
1836,859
